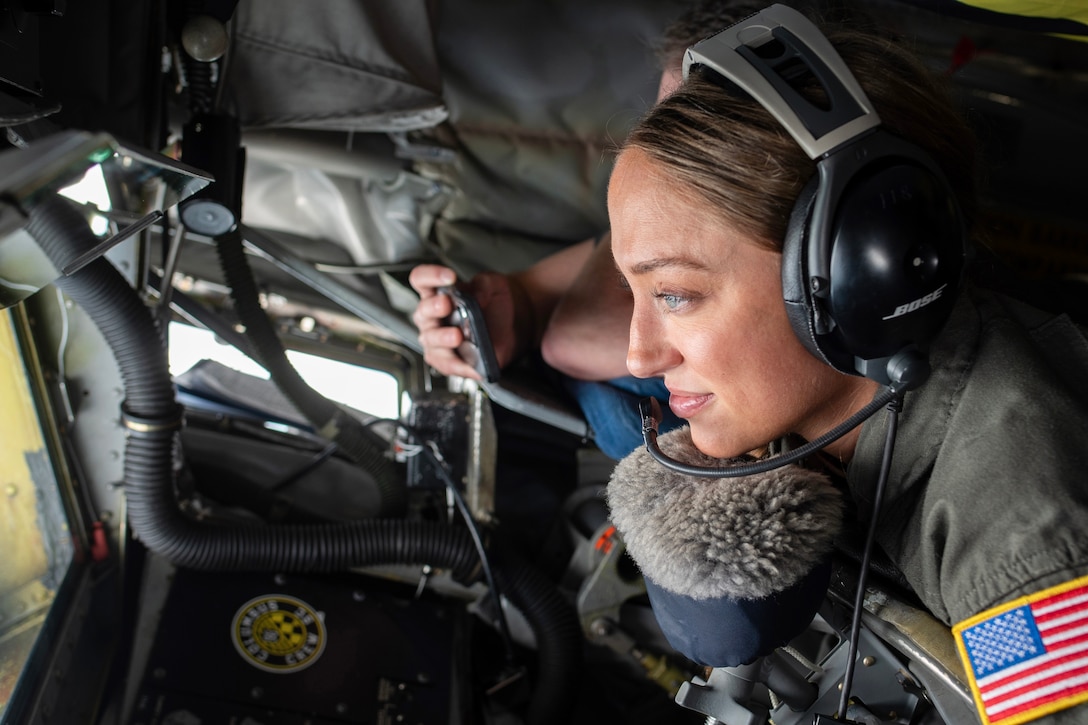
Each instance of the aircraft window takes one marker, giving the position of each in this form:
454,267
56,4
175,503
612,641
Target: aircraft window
365,389
33,521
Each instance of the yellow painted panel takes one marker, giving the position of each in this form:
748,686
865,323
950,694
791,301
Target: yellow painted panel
20,434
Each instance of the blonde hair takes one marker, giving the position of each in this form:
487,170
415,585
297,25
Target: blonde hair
729,151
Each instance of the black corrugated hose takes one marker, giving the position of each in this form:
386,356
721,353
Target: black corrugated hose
558,637
356,441
153,418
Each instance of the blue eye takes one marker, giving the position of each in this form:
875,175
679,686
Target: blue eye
671,301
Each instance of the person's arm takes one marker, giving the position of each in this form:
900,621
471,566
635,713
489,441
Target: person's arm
542,286
587,334
516,307
570,304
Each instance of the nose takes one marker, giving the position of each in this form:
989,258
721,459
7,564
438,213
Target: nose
649,353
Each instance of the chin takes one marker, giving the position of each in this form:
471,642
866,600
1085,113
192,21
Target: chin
710,444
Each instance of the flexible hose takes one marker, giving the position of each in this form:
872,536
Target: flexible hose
153,418
360,444
534,596
558,637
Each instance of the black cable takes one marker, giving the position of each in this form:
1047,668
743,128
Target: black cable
894,406
484,563
474,530
650,411
315,461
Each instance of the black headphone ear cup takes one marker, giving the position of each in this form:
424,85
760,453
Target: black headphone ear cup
896,260
795,290
896,251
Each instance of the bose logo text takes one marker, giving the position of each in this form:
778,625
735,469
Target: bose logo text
916,304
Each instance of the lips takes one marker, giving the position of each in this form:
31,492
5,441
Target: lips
686,405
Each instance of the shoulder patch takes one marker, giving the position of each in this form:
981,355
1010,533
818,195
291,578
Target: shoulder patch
1029,657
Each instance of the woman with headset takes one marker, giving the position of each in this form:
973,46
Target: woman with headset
792,223
569,305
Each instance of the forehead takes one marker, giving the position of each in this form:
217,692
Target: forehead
656,220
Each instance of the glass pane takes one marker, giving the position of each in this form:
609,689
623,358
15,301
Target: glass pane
365,389
33,526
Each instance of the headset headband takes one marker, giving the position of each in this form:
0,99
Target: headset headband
875,244
734,53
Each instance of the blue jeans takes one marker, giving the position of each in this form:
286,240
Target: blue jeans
611,409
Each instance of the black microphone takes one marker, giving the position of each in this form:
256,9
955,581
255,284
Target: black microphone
650,411
733,568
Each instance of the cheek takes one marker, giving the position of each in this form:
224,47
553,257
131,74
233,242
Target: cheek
703,343
754,364
744,343
774,357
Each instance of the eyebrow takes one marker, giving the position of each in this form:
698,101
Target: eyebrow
651,265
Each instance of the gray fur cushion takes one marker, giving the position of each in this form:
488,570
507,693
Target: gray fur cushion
745,537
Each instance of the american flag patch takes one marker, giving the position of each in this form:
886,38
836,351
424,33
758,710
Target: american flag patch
1029,657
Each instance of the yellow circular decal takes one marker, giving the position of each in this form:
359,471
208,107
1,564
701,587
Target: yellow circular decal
277,633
